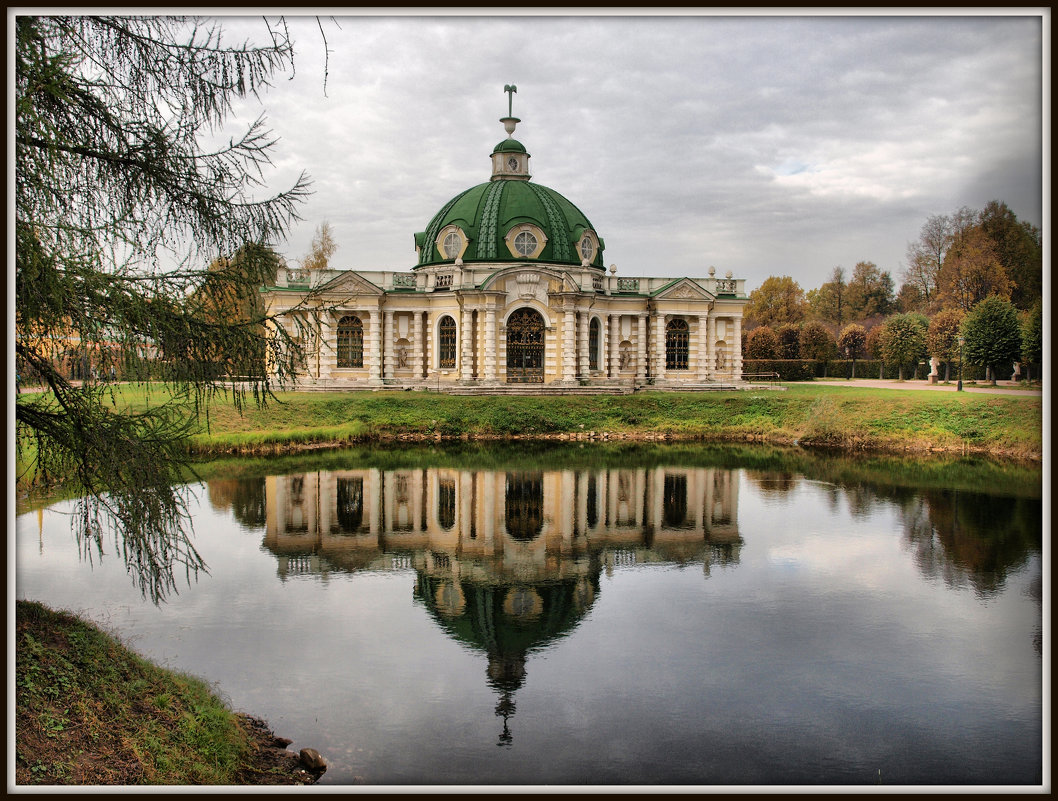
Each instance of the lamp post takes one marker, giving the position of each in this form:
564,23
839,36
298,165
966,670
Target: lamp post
961,341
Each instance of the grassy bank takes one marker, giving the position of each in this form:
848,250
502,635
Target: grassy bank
842,417
89,711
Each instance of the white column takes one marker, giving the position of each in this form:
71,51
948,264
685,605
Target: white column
387,347
615,345
736,350
703,346
641,350
582,345
417,346
659,346
710,356
375,348
489,346
569,364
466,357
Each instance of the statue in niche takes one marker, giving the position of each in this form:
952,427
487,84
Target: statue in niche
626,359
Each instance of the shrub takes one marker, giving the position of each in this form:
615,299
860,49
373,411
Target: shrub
788,369
762,343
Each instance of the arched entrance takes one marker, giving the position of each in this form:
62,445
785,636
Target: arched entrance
525,347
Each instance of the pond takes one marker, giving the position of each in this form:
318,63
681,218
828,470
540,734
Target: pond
604,616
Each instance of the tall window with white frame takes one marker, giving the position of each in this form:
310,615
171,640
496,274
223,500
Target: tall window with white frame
350,342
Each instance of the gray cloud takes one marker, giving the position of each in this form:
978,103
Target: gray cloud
764,145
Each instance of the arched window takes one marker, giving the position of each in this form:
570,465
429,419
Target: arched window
677,339
593,344
446,335
350,342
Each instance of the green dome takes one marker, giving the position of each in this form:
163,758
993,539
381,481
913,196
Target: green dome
509,146
486,213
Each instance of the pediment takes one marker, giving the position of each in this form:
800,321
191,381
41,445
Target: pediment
683,289
349,283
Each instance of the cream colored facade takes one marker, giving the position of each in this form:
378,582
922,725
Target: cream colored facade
510,293
497,527
401,315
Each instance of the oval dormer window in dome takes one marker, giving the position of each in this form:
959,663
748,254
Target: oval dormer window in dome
525,241
587,247
451,241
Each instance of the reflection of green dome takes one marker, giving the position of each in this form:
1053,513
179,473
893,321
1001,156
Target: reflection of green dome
486,623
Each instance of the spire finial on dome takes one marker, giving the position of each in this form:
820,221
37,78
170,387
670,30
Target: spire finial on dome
510,120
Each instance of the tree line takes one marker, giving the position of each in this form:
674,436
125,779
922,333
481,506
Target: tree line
974,275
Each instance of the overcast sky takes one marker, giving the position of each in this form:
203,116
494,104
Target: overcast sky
761,145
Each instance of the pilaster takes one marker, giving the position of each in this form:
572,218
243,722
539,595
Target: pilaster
641,350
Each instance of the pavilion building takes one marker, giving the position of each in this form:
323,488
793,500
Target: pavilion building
510,293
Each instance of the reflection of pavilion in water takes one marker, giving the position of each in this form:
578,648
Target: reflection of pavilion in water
501,526
505,561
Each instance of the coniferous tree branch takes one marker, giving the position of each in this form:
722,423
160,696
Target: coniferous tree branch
119,207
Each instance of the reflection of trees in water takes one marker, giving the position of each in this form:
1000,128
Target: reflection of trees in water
244,496
968,537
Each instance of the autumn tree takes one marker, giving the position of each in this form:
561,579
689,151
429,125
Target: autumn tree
817,342
852,342
762,343
322,248
1018,248
972,271
119,206
903,340
925,257
873,346
942,337
779,299
870,292
789,341
993,334
828,302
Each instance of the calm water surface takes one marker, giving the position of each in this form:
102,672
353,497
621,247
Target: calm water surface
649,617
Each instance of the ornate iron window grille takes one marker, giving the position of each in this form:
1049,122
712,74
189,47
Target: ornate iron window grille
350,342
593,344
447,335
525,347
677,343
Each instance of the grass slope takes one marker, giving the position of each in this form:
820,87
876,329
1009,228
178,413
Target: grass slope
89,711
845,417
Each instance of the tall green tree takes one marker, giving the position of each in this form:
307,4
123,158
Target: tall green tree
993,334
779,299
1032,337
119,208
903,340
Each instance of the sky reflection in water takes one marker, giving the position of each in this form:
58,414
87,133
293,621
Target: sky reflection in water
674,624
